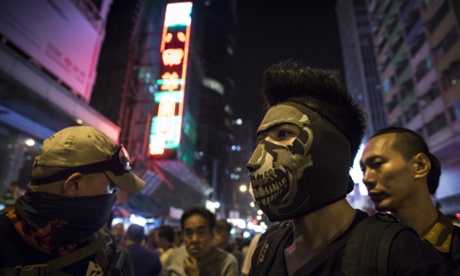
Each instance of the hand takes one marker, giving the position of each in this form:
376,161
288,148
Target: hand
191,266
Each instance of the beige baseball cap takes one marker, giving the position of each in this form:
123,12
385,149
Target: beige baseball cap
86,149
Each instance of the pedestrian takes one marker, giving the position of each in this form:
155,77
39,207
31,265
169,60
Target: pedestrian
164,238
118,233
222,239
146,262
11,194
299,174
401,175
57,226
199,256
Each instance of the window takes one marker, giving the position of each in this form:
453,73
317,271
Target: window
446,43
430,95
438,17
388,84
455,111
422,68
438,123
411,112
393,103
451,76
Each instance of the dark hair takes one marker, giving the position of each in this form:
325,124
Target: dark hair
410,143
320,91
135,233
167,232
201,211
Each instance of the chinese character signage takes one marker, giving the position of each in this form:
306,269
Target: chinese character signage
167,122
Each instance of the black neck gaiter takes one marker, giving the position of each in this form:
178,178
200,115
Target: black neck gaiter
54,223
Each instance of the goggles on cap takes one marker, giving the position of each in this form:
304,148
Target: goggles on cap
118,163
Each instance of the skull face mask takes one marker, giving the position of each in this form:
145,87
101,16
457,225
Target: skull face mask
309,173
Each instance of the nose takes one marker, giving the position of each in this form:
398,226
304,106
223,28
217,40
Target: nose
254,161
368,179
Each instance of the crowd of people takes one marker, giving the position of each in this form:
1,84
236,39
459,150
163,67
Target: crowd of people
205,248
299,171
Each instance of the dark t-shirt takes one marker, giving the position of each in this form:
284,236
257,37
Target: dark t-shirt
145,262
409,255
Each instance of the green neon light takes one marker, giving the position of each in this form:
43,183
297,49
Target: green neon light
166,130
170,81
175,96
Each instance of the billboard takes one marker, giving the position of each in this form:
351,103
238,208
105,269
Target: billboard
57,36
166,124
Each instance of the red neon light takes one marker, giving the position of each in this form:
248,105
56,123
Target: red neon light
170,81
174,49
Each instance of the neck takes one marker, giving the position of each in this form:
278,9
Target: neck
419,213
316,230
130,242
207,254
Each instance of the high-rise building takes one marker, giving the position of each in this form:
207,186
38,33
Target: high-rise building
361,73
239,184
173,64
48,56
417,48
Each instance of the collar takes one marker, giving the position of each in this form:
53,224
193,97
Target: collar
440,234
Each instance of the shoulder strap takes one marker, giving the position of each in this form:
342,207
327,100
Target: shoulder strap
368,247
77,255
267,247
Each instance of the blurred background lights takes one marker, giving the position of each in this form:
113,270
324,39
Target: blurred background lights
29,142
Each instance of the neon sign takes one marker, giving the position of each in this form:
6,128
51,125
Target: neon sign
166,124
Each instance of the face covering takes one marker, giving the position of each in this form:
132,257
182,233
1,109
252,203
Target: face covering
312,172
56,224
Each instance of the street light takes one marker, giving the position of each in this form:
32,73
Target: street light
243,188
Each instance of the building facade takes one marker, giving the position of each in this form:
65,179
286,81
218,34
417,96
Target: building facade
417,49
173,70
48,56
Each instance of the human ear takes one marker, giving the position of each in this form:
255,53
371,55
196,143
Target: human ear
422,165
71,185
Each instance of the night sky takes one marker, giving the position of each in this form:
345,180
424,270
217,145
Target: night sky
270,31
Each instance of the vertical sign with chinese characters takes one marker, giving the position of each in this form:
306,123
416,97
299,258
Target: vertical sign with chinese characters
166,125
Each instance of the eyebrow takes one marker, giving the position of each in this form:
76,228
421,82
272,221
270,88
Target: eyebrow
369,159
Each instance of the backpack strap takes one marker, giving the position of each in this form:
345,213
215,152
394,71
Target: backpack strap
266,249
77,255
368,248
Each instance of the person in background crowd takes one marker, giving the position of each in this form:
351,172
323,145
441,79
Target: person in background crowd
11,194
150,240
223,240
401,174
248,257
177,236
164,238
68,201
299,174
118,233
146,262
200,257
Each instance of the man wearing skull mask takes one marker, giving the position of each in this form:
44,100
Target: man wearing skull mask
299,175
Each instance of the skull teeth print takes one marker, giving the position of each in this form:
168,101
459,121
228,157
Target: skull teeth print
267,193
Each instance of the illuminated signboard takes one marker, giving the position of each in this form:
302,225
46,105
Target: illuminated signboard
166,124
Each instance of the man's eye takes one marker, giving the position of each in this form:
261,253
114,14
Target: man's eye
284,134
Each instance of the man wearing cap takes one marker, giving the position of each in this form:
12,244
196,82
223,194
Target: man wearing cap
222,239
56,226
